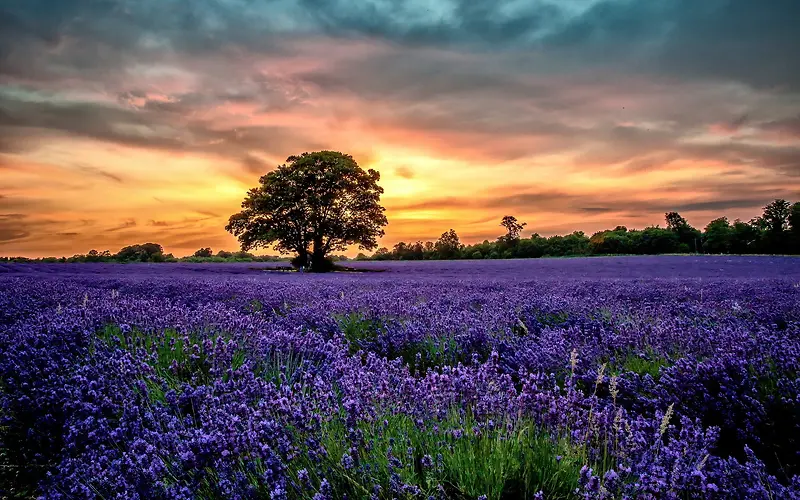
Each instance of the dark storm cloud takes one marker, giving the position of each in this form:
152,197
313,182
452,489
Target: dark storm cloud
476,22
722,40
738,40
731,40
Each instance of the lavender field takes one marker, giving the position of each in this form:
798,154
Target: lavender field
630,377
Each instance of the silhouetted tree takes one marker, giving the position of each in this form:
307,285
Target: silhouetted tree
513,227
314,204
448,246
687,235
794,227
745,237
775,222
382,253
204,252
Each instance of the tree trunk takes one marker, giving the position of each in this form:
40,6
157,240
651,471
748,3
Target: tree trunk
319,264
302,260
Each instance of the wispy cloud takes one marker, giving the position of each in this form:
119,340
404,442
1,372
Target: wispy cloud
124,225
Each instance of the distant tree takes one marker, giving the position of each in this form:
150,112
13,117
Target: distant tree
204,252
616,241
513,227
145,252
718,236
314,204
382,253
576,243
745,236
655,240
776,216
794,227
428,250
448,246
400,251
416,251
688,236
775,222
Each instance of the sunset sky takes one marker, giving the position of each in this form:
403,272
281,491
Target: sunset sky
125,121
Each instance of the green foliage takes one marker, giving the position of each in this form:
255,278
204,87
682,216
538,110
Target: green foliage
362,333
467,457
551,318
173,358
179,361
717,236
647,363
146,252
279,366
359,330
433,352
620,241
204,252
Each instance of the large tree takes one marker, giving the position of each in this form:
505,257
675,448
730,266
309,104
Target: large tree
314,204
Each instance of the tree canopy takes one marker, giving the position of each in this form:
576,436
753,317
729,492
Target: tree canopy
314,204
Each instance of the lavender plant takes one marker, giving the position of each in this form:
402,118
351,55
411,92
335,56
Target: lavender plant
670,377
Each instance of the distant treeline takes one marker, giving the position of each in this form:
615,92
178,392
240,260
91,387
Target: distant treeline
153,252
776,231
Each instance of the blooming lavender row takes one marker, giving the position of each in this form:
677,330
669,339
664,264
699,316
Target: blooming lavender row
593,378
